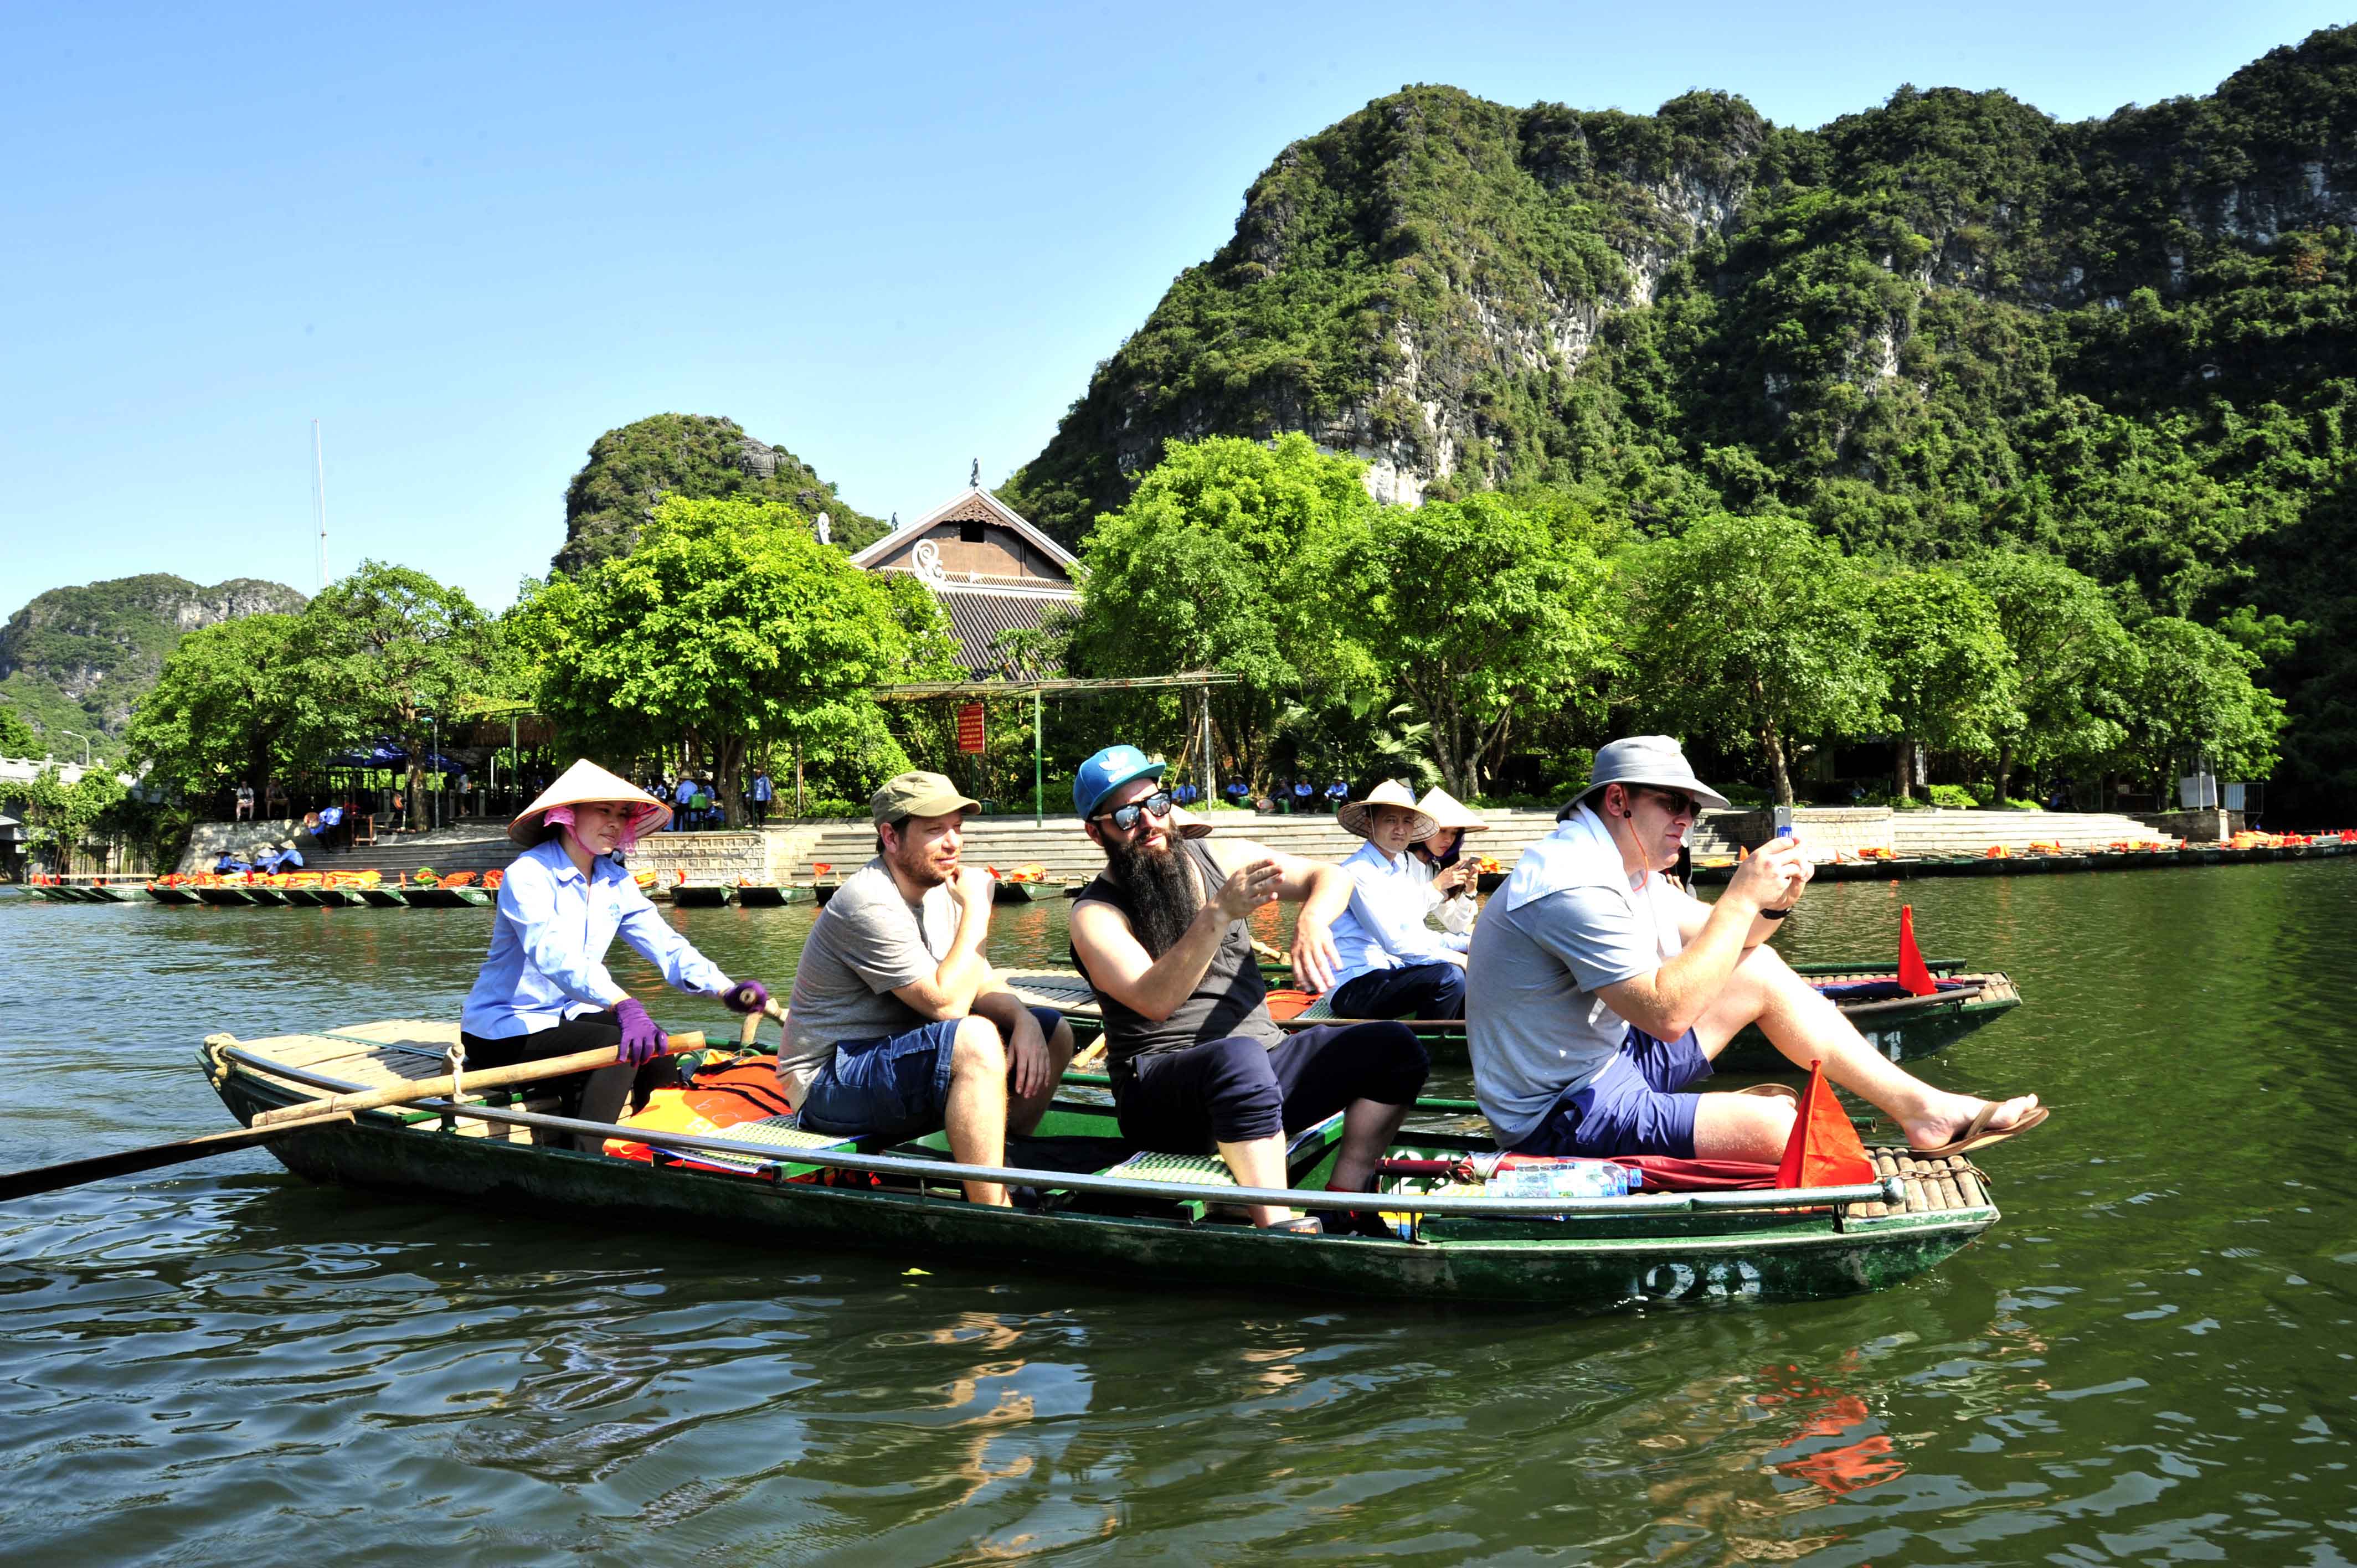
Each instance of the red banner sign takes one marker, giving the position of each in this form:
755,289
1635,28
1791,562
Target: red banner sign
970,728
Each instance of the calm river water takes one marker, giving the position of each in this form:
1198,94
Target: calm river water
2151,1359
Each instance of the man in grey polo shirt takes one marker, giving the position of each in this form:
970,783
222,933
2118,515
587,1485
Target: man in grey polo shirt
1596,991
898,1026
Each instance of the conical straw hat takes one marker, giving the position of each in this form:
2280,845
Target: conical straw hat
1444,809
1352,817
583,784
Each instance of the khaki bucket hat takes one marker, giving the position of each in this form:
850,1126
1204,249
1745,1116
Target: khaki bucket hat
918,795
583,784
1446,810
1353,816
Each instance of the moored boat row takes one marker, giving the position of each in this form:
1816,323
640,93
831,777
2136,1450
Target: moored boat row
1716,870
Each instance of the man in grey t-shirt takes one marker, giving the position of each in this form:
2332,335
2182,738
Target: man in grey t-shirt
898,1026
1596,991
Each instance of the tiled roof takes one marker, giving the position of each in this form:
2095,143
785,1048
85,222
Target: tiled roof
977,619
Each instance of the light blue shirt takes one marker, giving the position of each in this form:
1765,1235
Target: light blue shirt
547,962
1384,927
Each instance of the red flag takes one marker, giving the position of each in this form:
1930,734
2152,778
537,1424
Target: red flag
1823,1150
1912,974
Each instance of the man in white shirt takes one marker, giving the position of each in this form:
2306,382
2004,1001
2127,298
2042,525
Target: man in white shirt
1599,990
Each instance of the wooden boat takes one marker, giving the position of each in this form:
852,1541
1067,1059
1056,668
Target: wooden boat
770,895
275,897
1902,1027
387,897
824,891
448,897
701,895
226,897
1074,889
1004,891
163,895
1099,1206
108,893
305,897
338,897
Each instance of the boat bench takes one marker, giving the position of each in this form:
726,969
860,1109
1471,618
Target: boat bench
776,1132
1303,1152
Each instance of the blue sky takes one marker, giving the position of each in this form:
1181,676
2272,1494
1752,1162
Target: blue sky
890,239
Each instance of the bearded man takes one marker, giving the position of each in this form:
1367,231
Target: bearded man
1196,1060
898,1025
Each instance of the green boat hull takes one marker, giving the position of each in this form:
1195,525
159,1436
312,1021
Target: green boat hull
225,897
175,896
447,898
1583,1263
385,897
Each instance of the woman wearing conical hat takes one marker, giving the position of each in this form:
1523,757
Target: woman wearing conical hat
544,990
1393,965
1447,879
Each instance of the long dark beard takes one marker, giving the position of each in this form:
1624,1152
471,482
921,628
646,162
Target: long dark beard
1161,891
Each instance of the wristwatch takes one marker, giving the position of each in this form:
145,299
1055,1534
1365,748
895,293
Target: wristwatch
1773,914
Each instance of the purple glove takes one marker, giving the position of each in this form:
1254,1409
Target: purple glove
641,1041
746,996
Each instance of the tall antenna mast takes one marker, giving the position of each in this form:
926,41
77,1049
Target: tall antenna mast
319,501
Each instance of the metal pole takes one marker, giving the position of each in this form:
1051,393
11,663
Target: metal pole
1039,765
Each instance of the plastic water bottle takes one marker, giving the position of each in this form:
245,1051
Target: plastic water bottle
1566,1178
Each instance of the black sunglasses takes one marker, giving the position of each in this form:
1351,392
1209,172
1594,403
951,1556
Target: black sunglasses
1125,817
1680,803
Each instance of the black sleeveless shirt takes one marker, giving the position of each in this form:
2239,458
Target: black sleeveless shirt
1231,998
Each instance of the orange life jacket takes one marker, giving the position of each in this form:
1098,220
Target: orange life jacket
746,1091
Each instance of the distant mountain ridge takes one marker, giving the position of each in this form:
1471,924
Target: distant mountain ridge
1945,323
80,658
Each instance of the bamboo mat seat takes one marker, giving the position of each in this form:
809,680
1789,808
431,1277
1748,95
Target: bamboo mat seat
1196,1170
1933,1186
1063,989
384,1054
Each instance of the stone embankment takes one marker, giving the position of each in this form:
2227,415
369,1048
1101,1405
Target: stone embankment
790,852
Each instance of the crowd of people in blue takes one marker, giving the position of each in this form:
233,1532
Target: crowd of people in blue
1595,992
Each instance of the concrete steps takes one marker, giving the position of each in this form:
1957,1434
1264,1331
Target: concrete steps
1065,850
1970,832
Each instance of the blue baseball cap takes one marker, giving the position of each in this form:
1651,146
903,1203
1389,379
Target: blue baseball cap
1107,772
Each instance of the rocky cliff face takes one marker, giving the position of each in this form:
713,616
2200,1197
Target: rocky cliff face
81,658
1466,294
700,457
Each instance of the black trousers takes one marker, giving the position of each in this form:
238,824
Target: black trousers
605,1095
1234,1090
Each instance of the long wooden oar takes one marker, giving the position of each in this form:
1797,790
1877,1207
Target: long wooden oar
272,1126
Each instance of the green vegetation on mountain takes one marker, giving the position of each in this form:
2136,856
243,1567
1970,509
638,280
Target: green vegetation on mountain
696,456
80,659
1943,327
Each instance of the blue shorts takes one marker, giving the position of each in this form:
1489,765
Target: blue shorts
1633,1107
895,1086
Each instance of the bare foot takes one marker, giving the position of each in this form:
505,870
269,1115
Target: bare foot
1948,1114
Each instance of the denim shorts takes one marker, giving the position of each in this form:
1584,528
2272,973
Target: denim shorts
1633,1107
895,1086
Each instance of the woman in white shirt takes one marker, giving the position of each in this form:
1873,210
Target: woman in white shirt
1448,880
1393,965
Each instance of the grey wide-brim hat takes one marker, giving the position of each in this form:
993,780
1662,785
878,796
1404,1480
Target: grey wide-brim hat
1653,760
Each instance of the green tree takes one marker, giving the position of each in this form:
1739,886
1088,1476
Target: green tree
15,736
728,624
2073,664
234,705
389,648
1478,613
1754,629
59,816
1942,650
2197,704
1208,567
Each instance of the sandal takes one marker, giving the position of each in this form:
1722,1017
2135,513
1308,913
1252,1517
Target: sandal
1299,1225
1979,1134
